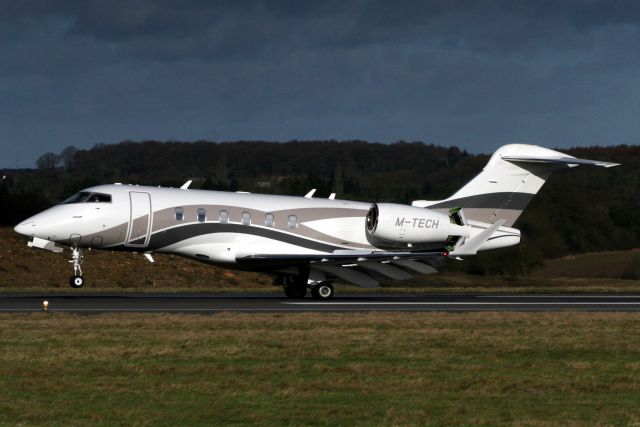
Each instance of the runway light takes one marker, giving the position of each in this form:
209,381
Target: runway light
45,305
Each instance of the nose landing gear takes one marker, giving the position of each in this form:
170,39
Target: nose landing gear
77,258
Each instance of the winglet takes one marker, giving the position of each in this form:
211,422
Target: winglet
471,246
309,195
186,185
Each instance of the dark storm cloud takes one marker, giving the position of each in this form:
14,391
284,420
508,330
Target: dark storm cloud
476,74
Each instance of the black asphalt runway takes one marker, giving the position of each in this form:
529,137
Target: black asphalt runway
213,303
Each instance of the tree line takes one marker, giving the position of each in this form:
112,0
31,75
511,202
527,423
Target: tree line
584,210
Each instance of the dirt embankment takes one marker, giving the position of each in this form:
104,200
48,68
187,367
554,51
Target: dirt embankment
22,266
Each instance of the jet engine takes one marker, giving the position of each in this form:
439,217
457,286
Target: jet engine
390,224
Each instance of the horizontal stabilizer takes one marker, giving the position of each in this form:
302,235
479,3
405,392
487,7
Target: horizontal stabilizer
353,276
471,246
566,160
386,270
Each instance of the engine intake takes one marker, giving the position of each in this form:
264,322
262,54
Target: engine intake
390,224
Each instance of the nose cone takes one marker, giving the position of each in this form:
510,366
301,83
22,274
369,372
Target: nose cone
26,228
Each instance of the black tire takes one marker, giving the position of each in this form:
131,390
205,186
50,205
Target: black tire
287,291
295,291
76,281
295,287
322,291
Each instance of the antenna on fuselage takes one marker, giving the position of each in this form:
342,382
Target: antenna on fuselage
186,185
309,195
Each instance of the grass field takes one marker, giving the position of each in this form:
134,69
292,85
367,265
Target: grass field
320,369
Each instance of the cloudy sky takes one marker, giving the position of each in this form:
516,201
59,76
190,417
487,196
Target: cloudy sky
476,74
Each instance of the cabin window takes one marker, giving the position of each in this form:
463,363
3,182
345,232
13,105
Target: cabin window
246,218
202,215
179,214
292,222
223,217
269,220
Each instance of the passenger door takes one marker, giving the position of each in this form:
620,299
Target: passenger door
140,219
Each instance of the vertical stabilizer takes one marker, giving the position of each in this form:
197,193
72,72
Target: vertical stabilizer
506,185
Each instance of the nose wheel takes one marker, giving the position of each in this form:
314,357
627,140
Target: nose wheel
77,258
76,281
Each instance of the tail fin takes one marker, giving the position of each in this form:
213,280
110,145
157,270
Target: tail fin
506,185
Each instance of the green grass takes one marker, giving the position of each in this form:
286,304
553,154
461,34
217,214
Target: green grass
320,369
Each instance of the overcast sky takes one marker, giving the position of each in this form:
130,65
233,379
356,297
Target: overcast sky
468,73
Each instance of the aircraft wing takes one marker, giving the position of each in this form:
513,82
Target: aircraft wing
358,267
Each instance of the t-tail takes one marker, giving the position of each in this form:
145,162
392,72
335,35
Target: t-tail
514,175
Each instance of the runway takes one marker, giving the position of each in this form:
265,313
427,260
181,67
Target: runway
214,303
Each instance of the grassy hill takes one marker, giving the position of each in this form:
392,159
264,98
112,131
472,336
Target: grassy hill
616,264
22,267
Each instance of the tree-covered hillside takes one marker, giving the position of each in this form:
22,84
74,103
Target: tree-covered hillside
583,210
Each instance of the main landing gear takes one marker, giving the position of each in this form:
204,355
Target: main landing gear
295,287
77,258
319,290
322,290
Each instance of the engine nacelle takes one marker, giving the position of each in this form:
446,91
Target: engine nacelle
399,225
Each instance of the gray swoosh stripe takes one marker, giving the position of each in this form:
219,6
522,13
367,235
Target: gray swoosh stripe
513,201
174,235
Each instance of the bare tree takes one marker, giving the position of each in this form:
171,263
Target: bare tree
67,156
48,161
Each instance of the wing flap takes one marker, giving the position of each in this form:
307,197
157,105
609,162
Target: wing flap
350,275
385,269
416,266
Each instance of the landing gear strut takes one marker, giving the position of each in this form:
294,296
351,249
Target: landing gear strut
77,258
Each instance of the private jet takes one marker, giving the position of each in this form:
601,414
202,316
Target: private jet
305,243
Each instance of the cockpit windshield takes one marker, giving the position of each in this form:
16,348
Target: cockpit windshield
87,197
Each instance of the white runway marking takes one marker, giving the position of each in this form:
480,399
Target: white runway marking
459,303
562,296
135,310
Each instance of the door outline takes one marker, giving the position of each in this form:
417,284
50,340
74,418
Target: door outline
139,203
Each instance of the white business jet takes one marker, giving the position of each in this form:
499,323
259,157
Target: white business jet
304,242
